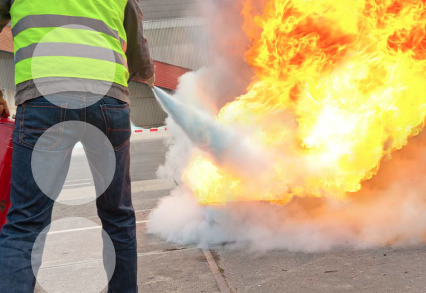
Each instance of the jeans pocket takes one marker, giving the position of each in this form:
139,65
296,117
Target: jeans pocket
35,119
118,127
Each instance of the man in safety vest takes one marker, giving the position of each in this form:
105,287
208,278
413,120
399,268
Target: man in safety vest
73,61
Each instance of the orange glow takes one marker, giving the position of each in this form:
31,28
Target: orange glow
338,86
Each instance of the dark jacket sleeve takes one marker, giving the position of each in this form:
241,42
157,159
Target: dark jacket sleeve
4,13
138,57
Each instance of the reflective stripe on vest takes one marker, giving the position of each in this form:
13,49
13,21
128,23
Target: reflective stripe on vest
70,38
39,21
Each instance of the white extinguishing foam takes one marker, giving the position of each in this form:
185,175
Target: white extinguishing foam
226,145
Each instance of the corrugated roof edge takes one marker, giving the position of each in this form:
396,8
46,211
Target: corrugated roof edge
173,23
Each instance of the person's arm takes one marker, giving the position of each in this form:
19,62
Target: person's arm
4,13
138,56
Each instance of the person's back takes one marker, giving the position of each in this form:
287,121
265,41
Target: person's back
73,45
73,62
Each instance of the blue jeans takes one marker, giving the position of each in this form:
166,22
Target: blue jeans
31,210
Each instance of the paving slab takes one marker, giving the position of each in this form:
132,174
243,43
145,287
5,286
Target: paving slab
386,270
163,267
175,271
181,271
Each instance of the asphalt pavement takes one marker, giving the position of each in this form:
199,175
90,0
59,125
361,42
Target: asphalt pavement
74,255
162,267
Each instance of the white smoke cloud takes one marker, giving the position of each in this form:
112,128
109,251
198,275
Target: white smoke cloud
389,210
392,214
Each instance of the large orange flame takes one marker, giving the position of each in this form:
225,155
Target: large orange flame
339,85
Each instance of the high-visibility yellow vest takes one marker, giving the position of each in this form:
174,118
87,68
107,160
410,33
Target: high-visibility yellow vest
82,39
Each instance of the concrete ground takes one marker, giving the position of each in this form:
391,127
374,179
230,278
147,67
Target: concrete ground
73,255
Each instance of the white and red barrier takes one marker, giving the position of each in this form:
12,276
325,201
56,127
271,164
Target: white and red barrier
150,130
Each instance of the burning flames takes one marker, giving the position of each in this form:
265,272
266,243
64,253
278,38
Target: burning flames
338,87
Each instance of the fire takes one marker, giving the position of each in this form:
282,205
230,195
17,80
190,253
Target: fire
338,87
